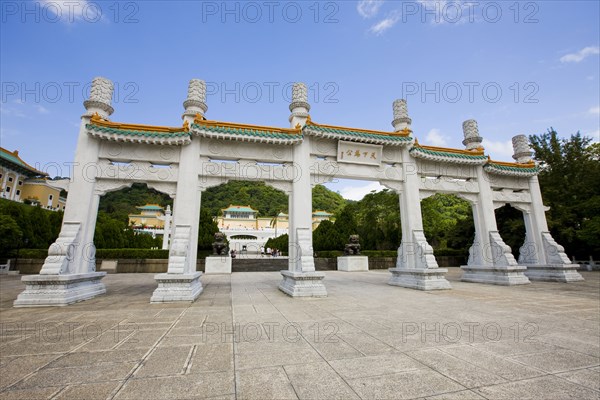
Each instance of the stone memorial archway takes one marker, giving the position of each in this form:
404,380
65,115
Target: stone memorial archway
184,161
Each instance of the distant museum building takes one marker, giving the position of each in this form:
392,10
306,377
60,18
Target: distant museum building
245,230
21,182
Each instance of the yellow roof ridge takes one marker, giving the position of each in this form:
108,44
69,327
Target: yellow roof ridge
404,132
530,164
480,151
97,120
203,121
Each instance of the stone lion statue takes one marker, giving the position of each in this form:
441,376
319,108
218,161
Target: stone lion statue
220,247
352,248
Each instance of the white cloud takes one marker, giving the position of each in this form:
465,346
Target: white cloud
13,112
358,192
441,12
72,11
385,24
594,110
368,8
498,150
595,135
580,55
435,138
42,109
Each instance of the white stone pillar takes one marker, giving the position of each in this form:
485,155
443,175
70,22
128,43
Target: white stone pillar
301,279
416,266
490,259
69,272
545,259
182,281
167,228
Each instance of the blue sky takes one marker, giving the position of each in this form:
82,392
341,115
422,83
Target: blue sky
515,67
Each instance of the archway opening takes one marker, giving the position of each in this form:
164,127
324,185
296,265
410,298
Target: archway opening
359,207
511,227
249,213
132,218
449,228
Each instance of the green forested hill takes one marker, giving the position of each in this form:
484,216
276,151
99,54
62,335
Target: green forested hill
267,200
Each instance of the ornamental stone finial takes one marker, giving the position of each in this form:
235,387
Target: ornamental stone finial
100,98
401,119
471,132
299,105
522,152
299,97
196,98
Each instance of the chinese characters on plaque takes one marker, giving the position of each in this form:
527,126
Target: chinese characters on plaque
359,153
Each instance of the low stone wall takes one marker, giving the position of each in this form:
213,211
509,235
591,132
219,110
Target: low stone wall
28,266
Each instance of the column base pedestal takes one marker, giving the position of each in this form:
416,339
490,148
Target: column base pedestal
303,284
353,263
506,276
217,265
420,279
554,273
177,287
59,290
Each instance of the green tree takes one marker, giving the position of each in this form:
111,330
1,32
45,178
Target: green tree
110,232
441,213
345,222
378,221
10,235
326,237
511,227
570,184
281,243
206,232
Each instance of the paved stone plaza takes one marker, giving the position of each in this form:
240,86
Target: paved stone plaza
365,340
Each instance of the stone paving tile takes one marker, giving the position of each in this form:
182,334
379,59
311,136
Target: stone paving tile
258,359
65,376
334,349
366,343
179,387
588,344
21,367
465,373
375,365
558,361
547,387
585,377
510,348
165,361
505,368
84,358
462,395
212,358
264,383
318,381
29,394
368,317
90,391
404,385
141,340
